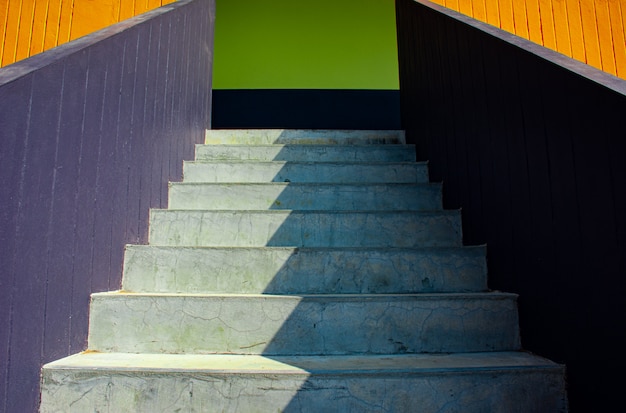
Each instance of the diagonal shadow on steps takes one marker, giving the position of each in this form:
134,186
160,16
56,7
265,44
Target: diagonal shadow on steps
333,286
357,256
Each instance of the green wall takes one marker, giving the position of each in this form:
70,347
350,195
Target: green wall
297,44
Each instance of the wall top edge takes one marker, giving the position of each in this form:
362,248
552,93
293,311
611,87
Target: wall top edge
31,64
605,79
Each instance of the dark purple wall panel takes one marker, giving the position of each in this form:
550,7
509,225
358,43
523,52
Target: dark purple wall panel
531,145
90,134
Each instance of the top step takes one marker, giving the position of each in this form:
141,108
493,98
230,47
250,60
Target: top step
303,137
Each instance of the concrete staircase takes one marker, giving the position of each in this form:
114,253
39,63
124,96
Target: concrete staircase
304,271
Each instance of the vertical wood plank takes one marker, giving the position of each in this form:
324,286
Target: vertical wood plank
65,22
14,113
618,31
520,19
547,23
451,4
577,40
113,172
101,56
500,236
141,6
39,27
533,16
87,201
126,9
63,272
561,27
12,31
466,7
590,33
493,12
53,22
144,141
479,11
89,16
507,22
605,37
33,240
4,14
25,30
127,134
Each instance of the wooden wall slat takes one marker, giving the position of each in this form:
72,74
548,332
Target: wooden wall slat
561,27
53,18
605,37
25,29
29,27
547,24
591,31
4,11
545,192
38,32
507,20
72,135
619,37
12,28
14,113
533,15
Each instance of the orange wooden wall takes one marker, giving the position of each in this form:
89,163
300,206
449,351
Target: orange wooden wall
591,31
28,27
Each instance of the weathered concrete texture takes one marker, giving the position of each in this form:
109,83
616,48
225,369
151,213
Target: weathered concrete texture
459,383
276,270
345,286
307,153
303,137
305,228
300,196
282,171
305,325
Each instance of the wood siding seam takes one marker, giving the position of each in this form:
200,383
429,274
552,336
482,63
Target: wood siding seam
28,27
591,31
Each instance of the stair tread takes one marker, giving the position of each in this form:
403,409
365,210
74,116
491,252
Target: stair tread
496,295
230,364
305,136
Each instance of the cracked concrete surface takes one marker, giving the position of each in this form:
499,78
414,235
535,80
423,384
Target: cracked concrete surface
306,325
264,288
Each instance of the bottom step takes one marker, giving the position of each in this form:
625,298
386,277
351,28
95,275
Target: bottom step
472,382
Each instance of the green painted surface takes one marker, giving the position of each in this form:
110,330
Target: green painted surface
295,44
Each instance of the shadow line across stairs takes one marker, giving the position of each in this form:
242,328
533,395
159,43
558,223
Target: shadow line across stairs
304,271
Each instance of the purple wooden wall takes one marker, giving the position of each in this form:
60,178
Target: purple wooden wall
532,145
90,134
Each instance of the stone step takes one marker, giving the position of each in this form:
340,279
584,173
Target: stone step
303,325
305,196
307,153
274,270
303,137
284,228
499,382
328,172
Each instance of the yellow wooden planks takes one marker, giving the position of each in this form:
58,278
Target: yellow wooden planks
28,27
592,31
618,37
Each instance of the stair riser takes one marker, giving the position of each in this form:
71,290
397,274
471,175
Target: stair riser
304,172
304,229
308,153
403,197
487,391
293,271
302,137
314,325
